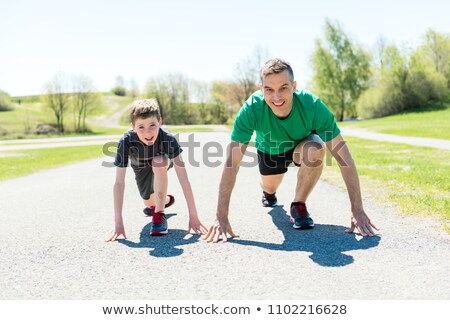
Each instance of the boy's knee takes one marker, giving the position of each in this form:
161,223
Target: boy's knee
159,163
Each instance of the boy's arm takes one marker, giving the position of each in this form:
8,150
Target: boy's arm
194,221
359,219
118,192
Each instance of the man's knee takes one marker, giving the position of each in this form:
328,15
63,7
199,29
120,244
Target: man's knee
311,153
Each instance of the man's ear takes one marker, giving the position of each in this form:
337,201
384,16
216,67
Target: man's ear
294,85
160,121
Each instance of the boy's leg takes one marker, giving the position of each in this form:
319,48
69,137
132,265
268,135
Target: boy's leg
159,166
309,154
150,202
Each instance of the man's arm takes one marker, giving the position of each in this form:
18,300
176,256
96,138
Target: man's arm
194,221
341,153
221,226
118,191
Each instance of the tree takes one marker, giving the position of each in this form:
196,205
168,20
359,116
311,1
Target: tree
172,93
57,98
341,70
403,81
247,76
133,88
119,89
83,100
436,48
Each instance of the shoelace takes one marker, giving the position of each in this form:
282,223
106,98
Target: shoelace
157,218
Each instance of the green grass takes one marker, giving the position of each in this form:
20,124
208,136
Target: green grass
15,164
429,122
416,179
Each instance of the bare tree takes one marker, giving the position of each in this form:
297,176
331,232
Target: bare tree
84,98
247,74
57,98
133,88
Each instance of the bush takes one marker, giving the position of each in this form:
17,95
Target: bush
5,101
119,91
391,95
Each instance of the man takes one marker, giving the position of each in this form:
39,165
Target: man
291,126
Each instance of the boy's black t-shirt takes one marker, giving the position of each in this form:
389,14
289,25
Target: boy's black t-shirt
140,154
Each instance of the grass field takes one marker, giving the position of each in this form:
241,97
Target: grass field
429,122
417,179
20,163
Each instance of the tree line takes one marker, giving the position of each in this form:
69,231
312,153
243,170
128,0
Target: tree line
351,80
355,82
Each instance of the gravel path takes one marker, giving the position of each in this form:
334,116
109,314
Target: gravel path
54,223
415,141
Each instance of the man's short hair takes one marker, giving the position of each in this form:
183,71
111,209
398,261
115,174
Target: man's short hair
275,66
143,109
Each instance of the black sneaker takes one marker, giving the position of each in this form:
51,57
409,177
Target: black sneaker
300,216
159,224
269,200
148,211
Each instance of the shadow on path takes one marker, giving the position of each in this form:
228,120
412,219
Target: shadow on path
162,246
327,243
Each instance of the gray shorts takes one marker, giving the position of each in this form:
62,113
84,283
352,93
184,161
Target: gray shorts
144,179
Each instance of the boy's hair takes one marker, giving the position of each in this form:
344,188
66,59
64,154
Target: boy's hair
143,109
275,66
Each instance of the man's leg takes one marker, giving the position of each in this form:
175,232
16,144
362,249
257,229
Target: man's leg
309,154
270,184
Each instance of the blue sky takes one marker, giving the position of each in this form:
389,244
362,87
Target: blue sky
202,39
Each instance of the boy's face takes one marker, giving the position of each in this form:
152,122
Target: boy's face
278,92
147,129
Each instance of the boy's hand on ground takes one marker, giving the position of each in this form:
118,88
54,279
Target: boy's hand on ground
119,231
362,222
196,226
220,228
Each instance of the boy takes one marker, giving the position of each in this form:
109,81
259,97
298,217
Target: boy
152,151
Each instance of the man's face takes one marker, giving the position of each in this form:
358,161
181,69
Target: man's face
147,129
278,92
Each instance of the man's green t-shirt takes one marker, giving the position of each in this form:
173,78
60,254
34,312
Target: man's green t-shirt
274,135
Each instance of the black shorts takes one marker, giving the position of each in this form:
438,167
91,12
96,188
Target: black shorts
270,164
144,179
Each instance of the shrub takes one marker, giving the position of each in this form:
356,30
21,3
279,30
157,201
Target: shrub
5,101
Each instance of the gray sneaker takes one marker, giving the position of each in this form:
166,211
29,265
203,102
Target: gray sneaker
300,216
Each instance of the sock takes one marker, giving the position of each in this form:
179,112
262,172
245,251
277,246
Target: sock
298,203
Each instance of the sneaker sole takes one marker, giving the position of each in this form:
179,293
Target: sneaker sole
159,233
299,227
274,205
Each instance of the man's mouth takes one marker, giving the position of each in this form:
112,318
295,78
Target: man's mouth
149,140
278,104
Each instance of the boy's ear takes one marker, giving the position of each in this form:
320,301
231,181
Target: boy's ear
160,121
